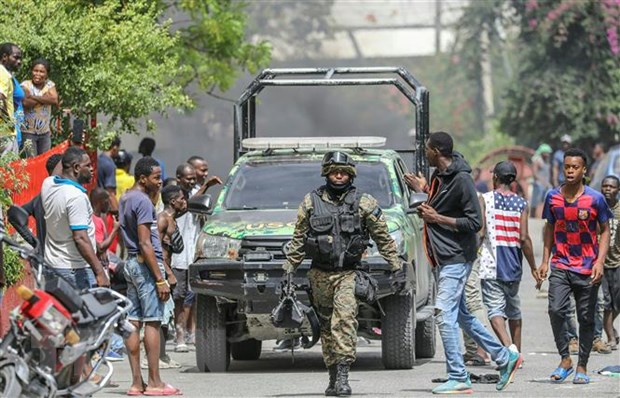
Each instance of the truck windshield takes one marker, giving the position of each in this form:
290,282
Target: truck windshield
283,185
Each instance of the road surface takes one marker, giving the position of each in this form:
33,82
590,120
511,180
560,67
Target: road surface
279,375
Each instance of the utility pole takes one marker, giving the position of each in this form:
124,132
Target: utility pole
486,79
438,27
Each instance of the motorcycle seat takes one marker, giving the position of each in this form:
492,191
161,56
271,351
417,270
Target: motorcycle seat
98,308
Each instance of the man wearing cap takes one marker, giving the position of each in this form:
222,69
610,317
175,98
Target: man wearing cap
505,239
558,160
334,224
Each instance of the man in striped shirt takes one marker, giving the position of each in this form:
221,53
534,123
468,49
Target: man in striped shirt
505,239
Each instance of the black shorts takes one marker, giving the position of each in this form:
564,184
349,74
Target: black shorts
182,288
611,289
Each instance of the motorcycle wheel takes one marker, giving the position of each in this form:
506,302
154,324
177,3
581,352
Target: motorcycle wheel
9,384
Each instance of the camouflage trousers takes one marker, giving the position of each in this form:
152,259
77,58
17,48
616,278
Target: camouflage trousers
333,295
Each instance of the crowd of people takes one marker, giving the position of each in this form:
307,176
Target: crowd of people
26,107
545,172
478,241
132,234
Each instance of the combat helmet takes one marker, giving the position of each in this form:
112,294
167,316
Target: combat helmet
336,160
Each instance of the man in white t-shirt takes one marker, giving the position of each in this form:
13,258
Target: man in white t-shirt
189,226
70,246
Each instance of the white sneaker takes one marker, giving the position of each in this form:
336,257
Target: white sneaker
181,347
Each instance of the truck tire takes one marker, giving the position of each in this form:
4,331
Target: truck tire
212,347
426,333
247,350
398,331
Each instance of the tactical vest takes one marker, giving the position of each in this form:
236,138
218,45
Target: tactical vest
336,239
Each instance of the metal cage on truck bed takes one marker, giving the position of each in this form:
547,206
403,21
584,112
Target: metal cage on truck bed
416,93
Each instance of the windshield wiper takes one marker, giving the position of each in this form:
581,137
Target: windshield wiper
244,207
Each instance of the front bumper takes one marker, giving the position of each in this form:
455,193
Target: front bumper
257,282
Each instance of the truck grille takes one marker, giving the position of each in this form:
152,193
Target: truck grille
271,244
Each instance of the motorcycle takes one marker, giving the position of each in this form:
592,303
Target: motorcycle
59,336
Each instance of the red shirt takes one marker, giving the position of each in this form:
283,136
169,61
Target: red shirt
100,235
575,241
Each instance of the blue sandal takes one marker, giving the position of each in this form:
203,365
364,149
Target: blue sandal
581,378
560,374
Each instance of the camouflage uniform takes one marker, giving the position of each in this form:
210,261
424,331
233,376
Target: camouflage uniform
333,292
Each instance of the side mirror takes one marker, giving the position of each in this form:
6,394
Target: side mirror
18,218
200,204
415,200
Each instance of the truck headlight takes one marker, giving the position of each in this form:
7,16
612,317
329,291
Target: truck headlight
214,246
397,235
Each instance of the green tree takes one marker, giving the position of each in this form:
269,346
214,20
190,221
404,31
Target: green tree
568,78
212,41
127,59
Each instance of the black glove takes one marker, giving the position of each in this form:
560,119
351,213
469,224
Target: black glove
398,280
286,282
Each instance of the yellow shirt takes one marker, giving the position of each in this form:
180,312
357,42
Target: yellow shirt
6,88
124,181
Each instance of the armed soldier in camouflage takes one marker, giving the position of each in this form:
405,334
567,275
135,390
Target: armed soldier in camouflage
334,224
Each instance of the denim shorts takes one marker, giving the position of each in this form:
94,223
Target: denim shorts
80,278
142,292
501,298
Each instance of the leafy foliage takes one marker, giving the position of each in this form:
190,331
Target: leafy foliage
127,59
13,178
212,41
13,266
569,74
566,55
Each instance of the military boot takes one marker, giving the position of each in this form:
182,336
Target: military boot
331,387
342,379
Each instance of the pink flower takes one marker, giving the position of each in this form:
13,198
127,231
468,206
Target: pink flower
532,5
612,38
533,23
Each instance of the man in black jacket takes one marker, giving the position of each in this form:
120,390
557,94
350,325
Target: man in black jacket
452,217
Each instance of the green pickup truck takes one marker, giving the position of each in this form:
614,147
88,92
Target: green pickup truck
242,245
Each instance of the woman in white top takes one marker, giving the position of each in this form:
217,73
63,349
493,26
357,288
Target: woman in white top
41,94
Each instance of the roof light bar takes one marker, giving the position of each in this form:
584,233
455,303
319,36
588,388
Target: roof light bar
264,143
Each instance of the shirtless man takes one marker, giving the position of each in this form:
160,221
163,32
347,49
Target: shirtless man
175,205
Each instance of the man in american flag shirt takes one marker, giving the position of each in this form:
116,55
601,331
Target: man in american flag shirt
505,239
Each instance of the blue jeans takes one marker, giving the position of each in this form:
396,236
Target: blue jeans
116,343
80,278
450,308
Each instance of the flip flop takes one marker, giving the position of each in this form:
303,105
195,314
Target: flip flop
561,374
581,378
136,393
476,360
168,390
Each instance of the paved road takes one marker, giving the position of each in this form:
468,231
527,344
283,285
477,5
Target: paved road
278,375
